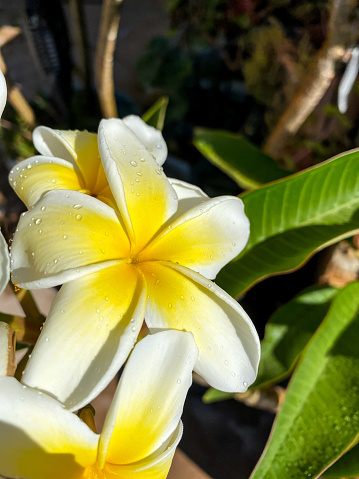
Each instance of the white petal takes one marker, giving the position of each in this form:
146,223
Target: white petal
155,466
50,142
189,196
148,403
137,182
149,136
3,92
39,439
35,176
90,330
7,350
205,238
4,264
64,236
179,298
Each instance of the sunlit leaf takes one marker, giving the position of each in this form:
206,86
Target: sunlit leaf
293,218
155,116
319,418
246,164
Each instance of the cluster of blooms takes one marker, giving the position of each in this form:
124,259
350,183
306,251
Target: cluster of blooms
126,243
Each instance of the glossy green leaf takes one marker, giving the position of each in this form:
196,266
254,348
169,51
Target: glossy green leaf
288,331
347,466
293,218
155,116
246,164
319,418
214,395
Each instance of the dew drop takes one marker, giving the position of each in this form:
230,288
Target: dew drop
53,180
107,299
133,329
182,297
234,243
40,232
98,311
143,160
62,311
226,362
65,237
233,374
179,381
55,261
139,173
245,384
157,282
193,298
29,167
38,221
43,208
78,217
47,340
77,207
133,163
81,252
170,305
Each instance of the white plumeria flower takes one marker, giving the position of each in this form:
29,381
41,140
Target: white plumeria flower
70,160
4,264
4,252
40,439
149,257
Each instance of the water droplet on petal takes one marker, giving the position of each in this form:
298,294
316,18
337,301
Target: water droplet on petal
64,237
245,384
38,221
47,340
43,208
133,329
179,381
133,163
40,232
77,207
78,217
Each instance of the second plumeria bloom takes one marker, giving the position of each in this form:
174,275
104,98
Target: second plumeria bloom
40,439
150,257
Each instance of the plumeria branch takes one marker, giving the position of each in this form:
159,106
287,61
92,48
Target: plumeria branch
104,57
342,34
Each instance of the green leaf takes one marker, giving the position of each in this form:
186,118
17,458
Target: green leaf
155,116
288,331
246,164
347,466
319,418
293,218
214,395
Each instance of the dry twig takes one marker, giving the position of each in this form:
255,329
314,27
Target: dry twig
104,57
342,34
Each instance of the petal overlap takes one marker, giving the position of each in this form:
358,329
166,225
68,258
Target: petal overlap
39,174
222,227
72,231
143,194
179,298
143,417
92,327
